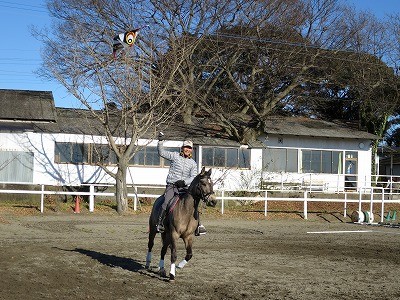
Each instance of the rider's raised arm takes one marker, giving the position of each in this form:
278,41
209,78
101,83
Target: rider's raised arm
164,153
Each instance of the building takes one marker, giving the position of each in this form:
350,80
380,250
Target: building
43,144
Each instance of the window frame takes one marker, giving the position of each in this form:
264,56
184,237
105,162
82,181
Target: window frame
240,160
288,154
17,167
316,163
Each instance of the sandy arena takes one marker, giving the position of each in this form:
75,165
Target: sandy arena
102,256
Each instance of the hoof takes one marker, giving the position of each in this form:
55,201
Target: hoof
162,272
171,278
182,264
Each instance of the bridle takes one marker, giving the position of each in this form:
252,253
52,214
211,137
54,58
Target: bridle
205,196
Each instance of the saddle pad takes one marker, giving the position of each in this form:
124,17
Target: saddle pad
172,203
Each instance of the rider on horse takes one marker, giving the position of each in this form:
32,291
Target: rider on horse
181,173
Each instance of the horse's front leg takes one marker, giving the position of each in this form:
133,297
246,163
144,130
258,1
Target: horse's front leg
174,240
150,244
188,245
165,244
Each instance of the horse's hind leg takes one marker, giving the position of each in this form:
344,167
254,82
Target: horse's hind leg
150,244
189,254
174,240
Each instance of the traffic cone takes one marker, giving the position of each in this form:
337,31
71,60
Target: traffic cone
388,217
394,215
77,209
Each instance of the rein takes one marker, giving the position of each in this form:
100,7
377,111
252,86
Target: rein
205,197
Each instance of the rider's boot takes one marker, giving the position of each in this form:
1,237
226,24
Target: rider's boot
160,224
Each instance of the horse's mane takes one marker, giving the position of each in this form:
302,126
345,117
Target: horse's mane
193,186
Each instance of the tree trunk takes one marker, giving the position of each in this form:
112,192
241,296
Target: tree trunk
121,192
187,113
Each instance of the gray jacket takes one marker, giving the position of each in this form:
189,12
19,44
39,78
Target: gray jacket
181,168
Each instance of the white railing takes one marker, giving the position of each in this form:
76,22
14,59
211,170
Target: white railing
371,195
376,195
362,193
91,194
333,183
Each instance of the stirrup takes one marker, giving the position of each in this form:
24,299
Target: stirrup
200,230
160,228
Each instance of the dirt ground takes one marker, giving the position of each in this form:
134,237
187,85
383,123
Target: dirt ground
61,255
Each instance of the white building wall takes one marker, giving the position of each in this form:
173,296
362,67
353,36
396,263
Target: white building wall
333,181
42,146
46,171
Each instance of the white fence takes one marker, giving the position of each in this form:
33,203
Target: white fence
92,194
371,195
364,195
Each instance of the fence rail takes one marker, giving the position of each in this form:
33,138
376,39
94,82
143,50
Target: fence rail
371,195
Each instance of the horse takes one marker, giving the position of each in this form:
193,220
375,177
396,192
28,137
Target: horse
180,222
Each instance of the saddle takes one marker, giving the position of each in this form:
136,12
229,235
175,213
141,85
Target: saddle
175,200
172,203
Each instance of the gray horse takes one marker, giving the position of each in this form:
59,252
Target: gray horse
181,221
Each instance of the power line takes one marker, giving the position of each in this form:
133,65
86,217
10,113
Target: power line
301,46
19,50
24,6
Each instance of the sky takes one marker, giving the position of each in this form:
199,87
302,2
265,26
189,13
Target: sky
20,52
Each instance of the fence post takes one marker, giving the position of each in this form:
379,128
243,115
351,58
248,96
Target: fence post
383,204
222,202
135,199
305,205
266,203
91,198
345,205
42,199
371,205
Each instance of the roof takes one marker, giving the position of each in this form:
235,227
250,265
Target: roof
24,105
301,126
79,121
35,111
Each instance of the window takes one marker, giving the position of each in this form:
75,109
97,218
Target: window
280,160
147,156
351,162
102,154
71,153
226,157
208,157
62,152
320,161
77,153
16,166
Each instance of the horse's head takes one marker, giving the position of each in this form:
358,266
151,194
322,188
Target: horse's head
205,187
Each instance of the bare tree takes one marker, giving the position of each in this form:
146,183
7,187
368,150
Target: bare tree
127,96
392,137
234,62
300,57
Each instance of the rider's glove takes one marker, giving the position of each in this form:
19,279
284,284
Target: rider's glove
180,184
160,136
